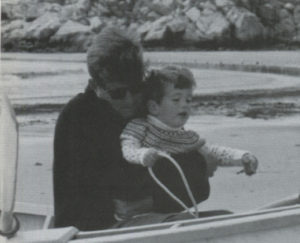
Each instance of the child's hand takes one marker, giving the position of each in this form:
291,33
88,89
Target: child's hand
150,157
250,163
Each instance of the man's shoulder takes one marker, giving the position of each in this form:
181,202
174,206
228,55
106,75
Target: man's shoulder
81,104
70,110
76,102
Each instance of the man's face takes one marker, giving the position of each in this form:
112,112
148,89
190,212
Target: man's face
123,98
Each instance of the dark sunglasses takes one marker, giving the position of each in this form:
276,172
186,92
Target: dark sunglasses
120,93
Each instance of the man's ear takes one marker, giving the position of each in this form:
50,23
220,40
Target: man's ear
99,91
152,107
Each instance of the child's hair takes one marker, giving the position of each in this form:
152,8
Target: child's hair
157,80
115,56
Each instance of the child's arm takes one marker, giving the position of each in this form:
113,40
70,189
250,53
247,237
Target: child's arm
134,153
132,150
131,144
225,156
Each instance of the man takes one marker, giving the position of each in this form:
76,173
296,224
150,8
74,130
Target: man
88,164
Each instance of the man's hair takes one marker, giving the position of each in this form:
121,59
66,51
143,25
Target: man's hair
115,56
157,80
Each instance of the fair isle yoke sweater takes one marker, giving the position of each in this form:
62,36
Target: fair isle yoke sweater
151,135
141,134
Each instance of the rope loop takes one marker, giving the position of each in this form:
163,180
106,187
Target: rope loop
11,233
185,182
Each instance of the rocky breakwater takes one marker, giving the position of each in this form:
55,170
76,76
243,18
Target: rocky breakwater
70,25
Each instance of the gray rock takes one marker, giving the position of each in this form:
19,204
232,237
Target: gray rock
77,12
164,28
286,27
225,5
166,3
14,25
207,6
95,24
247,25
13,31
178,24
152,16
60,2
43,27
16,35
284,14
296,38
213,25
83,5
297,16
157,29
56,8
73,36
12,10
100,9
289,6
162,7
34,9
193,14
218,27
67,12
70,29
144,28
268,14
193,35
144,11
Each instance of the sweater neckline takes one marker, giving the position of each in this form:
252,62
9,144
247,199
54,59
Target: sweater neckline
158,123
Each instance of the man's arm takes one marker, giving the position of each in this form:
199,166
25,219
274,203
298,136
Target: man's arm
82,175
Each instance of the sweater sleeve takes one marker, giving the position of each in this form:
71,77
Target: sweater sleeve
131,142
222,156
132,150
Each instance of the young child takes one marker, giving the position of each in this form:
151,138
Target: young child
168,98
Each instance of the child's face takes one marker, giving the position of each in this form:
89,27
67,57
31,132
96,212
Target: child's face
175,107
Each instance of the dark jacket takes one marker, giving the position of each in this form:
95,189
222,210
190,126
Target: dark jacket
194,168
88,167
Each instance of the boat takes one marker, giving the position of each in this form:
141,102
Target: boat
23,222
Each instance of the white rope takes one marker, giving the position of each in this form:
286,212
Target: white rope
188,189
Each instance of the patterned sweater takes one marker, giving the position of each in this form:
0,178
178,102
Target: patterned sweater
141,134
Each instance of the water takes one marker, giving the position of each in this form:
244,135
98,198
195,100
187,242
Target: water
42,81
39,84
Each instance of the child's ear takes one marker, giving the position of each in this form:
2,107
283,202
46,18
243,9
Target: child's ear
152,107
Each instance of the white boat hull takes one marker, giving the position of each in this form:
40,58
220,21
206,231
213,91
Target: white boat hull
272,225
